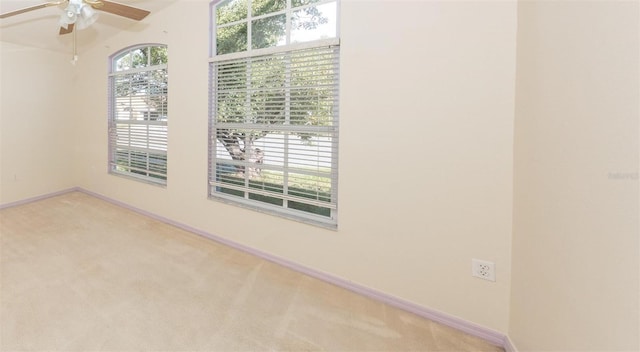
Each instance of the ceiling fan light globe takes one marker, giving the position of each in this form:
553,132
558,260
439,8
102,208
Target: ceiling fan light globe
65,21
87,17
83,22
87,11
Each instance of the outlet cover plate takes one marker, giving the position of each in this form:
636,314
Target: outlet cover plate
483,269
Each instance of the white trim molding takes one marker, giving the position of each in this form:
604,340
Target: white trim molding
37,198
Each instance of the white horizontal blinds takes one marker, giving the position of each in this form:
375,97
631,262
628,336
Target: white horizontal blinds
275,129
138,114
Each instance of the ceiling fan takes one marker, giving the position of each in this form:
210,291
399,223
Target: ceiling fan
81,14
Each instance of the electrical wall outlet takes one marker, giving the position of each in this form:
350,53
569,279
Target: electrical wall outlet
483,269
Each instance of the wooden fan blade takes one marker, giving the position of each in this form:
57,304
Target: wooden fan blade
127,11
67,30
31,8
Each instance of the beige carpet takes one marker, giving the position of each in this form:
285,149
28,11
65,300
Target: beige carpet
81,274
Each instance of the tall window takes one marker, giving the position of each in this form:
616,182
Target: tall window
274,74
138,113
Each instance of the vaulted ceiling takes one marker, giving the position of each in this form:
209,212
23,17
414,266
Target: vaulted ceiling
39,28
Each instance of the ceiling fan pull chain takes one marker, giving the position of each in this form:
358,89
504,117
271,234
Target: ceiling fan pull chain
75,48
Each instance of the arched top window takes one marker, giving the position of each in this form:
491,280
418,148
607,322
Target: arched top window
139,56
138,113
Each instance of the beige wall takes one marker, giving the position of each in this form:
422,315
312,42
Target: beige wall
36,123
576,235
427,99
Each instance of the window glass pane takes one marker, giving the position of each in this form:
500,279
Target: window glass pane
310,161
158,55
158,166
269,183
295,3
122,108
271,154
157,135
156,92
265,199
313,93
123,62
231,39
231,11
269,31
268,90
309,186
140,58
269,180
263,7
231,107
312,23
308,208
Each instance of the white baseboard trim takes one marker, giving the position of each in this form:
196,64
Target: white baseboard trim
489,335
37,198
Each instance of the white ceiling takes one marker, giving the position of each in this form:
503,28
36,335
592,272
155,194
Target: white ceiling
39,28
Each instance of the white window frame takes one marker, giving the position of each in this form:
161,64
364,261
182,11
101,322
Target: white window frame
137,131
288,48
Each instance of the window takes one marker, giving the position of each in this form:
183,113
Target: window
274,74
138,113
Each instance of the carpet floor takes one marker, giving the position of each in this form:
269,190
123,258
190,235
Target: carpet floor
81,274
